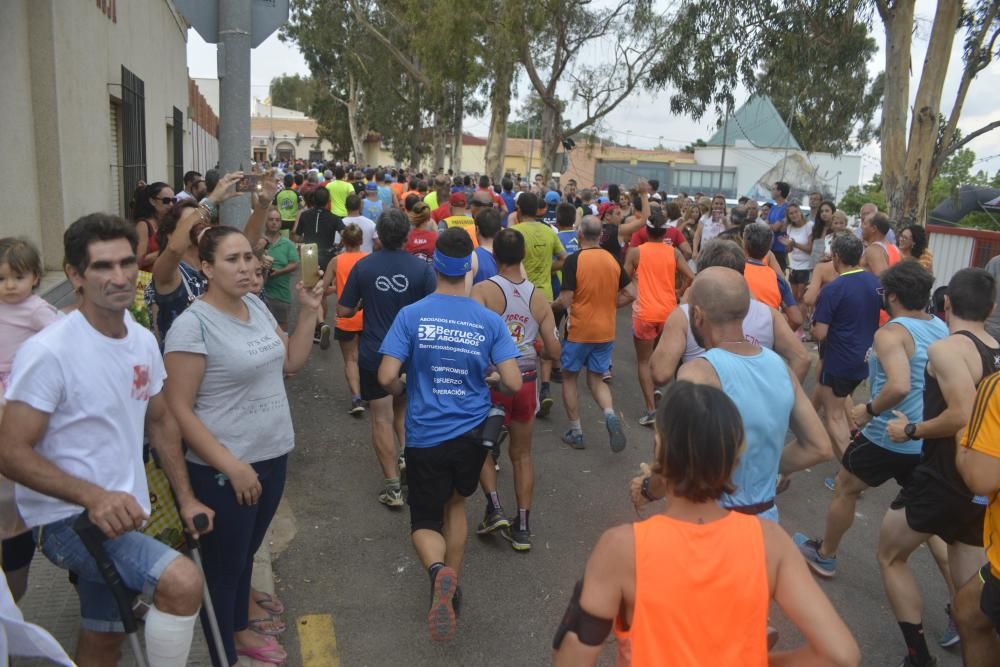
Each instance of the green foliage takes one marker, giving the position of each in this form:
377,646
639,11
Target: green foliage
856,197
293,92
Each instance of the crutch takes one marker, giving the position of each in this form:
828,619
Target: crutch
200,524
93,539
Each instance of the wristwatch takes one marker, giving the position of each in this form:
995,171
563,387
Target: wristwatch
910,430
644,490
868,409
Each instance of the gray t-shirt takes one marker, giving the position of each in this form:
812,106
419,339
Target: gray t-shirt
993,322
242,398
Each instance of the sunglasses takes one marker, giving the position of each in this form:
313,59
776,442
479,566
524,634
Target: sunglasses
167,201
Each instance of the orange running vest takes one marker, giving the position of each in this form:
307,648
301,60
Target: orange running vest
346,262
656,274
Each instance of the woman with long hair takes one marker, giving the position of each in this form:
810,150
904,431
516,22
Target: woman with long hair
821,227
347,331
712,223
692,584
226,359
798,238
913,245
152,204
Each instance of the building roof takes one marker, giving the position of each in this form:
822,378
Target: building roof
758,123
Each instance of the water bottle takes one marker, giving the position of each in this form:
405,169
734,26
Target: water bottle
492,426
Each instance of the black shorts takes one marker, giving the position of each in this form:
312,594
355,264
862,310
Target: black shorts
434,473
934,507
989,602
876,465
18,551
799,276
371,390
842,387
340,334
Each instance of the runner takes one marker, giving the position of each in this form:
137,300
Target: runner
880,254
446,336
288,202
661,582
348,329
459,217
652,266
935,500
977,605
421,239
385,281
896,366
528,316
769,397
487,227
765,283
79,396
594,287
762,325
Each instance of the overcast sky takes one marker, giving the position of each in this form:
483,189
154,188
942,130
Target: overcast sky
644,119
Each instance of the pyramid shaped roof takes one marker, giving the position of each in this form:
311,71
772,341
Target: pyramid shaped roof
758,123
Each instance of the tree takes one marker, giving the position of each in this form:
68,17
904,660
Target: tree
856,197
555,32
720,44
293,92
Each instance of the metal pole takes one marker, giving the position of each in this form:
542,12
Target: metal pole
234,100
531,150
725,138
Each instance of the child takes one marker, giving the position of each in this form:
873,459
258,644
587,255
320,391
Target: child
22,315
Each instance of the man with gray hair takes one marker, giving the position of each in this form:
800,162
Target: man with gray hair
844,323
593,288
765,283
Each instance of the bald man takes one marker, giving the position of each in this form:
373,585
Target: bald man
767,394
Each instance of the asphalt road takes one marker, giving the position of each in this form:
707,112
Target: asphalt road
351,557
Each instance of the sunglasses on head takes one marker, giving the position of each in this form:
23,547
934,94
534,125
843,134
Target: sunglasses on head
167,201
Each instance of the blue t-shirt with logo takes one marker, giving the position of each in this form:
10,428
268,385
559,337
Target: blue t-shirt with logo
384,196
569,240
371,209
850,307
385,281
446,343
774,216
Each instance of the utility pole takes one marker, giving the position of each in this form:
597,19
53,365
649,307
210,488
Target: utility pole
235,24
531,150
725,138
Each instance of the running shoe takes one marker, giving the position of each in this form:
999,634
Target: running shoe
556,376
606,377
950,637
657,395
616,434
822,565
520,539
544,403
441,617
830,483
324,337
493,520
357,407
648,418
391,496
573,438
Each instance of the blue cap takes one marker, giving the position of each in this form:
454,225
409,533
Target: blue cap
601,200
552,197
373,186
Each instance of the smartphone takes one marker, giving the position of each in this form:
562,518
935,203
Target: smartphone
247,184
310,264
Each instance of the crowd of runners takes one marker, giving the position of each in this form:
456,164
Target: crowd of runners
457,303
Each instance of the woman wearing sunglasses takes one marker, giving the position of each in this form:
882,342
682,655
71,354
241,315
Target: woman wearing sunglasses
152,204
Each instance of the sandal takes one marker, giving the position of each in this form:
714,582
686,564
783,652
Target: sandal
270,653
268,627
269,603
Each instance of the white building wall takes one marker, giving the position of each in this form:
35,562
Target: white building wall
804,171
201,149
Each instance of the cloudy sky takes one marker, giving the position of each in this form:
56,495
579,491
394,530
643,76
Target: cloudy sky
643,120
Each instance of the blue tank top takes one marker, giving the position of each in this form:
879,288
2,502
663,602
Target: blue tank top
762,391
923,333
487,266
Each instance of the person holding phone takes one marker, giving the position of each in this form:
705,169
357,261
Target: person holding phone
226,361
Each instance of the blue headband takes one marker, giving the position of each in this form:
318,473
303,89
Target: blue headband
451,266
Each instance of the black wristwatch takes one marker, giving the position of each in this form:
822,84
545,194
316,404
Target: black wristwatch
644,490
910,430
868,409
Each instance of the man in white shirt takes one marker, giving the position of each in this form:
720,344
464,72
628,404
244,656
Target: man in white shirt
79,399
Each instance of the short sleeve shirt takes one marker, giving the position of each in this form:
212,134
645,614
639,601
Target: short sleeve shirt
446,344
595,278
283,252
850,307
541,244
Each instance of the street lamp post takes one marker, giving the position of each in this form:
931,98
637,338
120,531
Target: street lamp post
836,188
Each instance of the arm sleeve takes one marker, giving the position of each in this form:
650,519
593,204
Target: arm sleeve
396,343
186,334
36,378
569,272
351,294
787,299
157,371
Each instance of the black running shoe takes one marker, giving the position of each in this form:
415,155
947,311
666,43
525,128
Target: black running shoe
544,403
520,539
493,520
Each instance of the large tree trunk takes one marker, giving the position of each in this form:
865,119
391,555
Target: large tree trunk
924,126
898,22
551,138
496,141
440,132
353,122
456,130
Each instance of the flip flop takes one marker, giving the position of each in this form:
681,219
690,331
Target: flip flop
258,626
270,603
269,653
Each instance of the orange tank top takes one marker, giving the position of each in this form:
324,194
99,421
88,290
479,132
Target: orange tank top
763,284
701,593
346,262
656,274
892,257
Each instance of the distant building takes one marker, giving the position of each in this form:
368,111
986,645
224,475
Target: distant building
285,134
96,98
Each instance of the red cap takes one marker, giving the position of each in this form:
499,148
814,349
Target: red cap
605,207
457,199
